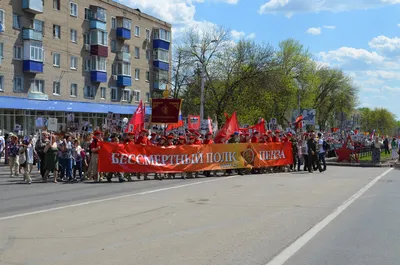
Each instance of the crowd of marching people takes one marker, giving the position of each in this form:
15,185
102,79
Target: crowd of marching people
71,157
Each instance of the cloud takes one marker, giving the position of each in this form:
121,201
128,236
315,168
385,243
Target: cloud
345,54
314,31
180,13
290,7
330,27
386,45
237,35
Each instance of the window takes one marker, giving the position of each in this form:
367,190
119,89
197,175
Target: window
124,69
74,90
161,76
37,86
87,65
16,21
113,69
74,35
1,49
73,9
86,39
125,23
147,96
126,94
147,34
17,52
88,13
137,74
137,31
37,52
98,37
74,62
89,91
147,76
147,54
162,34
99,64
99,13
113,22
2,20
1,83
125,48
114,94
161,55
56,88
113,48
56,59
137,52
56,4
136,95
38,25
103,92
56,31
18,84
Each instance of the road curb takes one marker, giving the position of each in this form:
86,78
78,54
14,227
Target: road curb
358,164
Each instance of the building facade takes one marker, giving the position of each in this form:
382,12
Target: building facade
89,57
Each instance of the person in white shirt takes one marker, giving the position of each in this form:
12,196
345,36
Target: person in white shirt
322,151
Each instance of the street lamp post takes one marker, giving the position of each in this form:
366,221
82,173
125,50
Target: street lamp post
203,78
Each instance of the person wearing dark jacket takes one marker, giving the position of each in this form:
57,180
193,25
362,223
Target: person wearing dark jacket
313,153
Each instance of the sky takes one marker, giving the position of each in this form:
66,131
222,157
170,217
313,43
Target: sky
362,37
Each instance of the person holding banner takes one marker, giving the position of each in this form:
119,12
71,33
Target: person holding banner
143,140
161,143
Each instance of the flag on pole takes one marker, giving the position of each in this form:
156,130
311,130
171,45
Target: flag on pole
229,127
193,122
136,123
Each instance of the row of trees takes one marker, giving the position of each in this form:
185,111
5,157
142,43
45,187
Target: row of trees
379,119
256,80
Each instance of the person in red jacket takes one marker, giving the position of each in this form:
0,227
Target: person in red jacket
181,140
275,138
143,140
208,139
197,140
255,138
222,139
170,140
153,139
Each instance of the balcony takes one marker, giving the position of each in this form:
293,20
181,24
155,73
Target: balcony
161,65
124,56
123,81
99,50
30,34
159,85
98,76
33,6
32,66
161,44
123,34
97,24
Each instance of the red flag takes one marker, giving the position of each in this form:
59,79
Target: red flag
299,122
229,128
210,129
259,127
173,126
194,122
136,124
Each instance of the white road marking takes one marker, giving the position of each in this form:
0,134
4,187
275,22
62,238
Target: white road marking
288,252
113,198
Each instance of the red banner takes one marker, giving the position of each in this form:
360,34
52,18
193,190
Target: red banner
194,122
165,110
259,127
115,157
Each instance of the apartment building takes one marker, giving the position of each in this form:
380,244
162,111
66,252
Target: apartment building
89,57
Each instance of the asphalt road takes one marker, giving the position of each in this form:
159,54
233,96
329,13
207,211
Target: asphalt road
237,221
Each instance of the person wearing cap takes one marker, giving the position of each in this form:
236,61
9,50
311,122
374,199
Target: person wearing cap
170,140
235,138
144,141
153,139
129,138
208,139
222,139
255,138
95,147
197,140
313,153
181,140
275,138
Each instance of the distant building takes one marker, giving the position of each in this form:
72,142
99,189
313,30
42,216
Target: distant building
89,57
